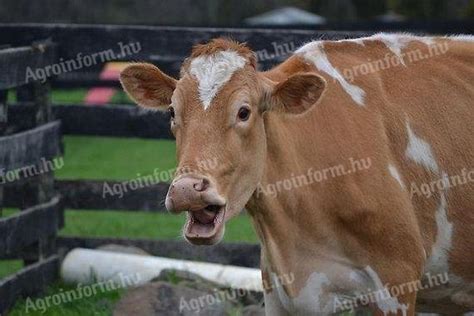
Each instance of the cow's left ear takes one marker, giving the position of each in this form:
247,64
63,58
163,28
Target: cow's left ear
148,86
297,94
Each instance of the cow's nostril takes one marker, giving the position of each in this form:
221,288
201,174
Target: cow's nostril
201,185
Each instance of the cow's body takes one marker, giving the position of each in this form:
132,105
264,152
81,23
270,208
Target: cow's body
338,192
415,124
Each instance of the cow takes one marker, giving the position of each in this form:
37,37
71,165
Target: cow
354,159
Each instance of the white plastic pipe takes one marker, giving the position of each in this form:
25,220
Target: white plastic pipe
87,266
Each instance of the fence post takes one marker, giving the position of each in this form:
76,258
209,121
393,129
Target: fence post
3,128
38,93
41,189
3,111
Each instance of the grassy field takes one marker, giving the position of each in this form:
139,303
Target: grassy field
97,305
119,159
114,158
76,96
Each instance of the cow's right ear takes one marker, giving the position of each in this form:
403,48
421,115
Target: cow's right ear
148,86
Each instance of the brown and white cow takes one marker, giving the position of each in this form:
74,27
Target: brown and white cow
403,105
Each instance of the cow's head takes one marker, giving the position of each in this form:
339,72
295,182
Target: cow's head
217,111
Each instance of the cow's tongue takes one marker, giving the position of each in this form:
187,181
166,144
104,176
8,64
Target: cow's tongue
204,216
203,223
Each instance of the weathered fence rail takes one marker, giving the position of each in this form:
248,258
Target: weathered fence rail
104,120
166,46
27,227
114,121
98,195
29,234
28,282
16,62
24,148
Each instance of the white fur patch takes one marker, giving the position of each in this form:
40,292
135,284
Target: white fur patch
389,305
273,304
314,53
397,42
308,300
420,151
438,261
359,41
462,38
394,173
394,42
317,297
213,71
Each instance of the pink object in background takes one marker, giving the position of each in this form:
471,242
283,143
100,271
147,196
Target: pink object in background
103,95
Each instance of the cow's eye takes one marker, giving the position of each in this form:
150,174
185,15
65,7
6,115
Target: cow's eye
171,112
244,113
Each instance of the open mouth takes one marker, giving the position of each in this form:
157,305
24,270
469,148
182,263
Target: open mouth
203,225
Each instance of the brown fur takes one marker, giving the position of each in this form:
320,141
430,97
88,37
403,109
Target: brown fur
222,44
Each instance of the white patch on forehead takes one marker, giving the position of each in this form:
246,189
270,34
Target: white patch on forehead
390,304
420,151
314,53
438,261
213,71
394,173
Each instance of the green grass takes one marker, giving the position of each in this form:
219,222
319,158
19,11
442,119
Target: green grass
76,96
100,304
8,211
8,267
145,225
115,158
121,98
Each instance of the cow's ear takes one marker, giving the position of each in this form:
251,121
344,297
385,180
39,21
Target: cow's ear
148,86
297,94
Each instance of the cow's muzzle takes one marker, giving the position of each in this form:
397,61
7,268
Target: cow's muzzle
197,196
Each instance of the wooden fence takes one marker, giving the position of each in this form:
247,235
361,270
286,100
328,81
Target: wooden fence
29,234
31,135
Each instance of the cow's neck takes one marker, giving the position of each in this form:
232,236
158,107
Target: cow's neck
288,222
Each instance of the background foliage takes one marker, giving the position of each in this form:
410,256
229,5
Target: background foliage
220,12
